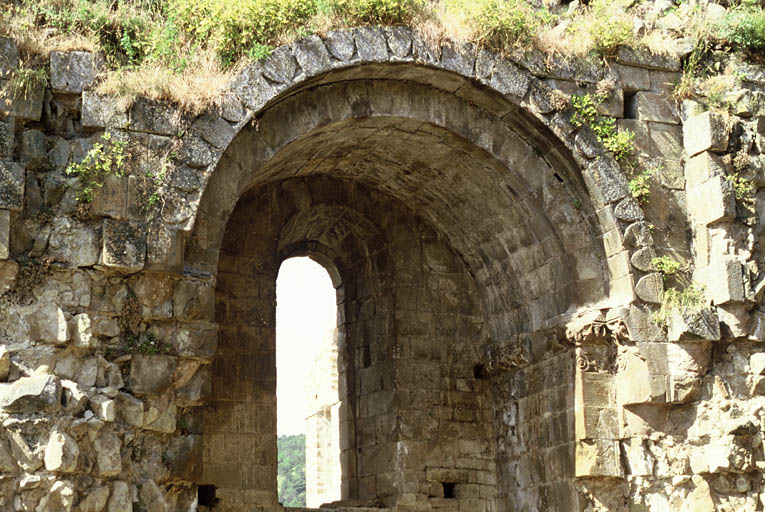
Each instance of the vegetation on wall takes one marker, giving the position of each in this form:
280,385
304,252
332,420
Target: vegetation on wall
291,470
186,50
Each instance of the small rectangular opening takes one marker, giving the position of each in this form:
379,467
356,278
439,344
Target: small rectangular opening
448,490
206,497
630,105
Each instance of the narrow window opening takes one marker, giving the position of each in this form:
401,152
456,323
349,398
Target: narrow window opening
630,104
307,397
448,490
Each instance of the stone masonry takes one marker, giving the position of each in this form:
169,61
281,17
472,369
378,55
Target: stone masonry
498,346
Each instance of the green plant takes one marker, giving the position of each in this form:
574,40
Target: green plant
103,159
147,344
743,188
744,25
577,204
375,12
25,82
665,265
689,299
640,187
604,26
585,112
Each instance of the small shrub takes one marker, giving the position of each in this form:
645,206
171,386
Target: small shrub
689,299
103,159
666,265
640,186
376,12
745,25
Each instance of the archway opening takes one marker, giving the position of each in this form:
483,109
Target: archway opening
307,393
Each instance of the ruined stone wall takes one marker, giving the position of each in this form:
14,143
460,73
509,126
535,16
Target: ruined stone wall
498,346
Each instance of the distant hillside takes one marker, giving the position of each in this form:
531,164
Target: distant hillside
291,474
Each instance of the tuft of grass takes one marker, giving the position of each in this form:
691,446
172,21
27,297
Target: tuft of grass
690,299
25,81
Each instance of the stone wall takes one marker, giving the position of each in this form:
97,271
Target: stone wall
498,348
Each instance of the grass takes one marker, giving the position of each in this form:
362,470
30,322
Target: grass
185,51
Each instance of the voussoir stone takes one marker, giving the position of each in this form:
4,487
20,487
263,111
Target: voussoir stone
312,55
371,44
650,287
280,66
399,41
341,45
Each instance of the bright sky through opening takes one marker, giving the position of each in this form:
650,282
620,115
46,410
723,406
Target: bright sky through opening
305,311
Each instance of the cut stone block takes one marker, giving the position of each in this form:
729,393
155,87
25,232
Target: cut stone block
111,199
72,72
712,201
666,141
124,246
27,107
598,457
723,281
705,132
653,106
701,168
9,57
694,325
73,243
100,111
645,59
11,186
151,374
7,128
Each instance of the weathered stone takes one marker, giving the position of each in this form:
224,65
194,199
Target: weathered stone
193,300
371,44
124,246
108,458
9,58
96,500
646,59
33,150
340,44
628,210
59,498
102,325
642,259
650,288
5,234
399,41
111,199
152,497
73,243
653,106
598,457
26,105
7,461
214,129
155,117
11,186
638,235
99,111
195,152
151,374
712,201
160,415
705,132
5,363
7,138
74,397
723,281
509,80
104,408
193,389
185,457
129,410
120,500
683,389
61,452
48,324
686,324
79,327
72,72
25,456
700,499
198,340
607,180
88,373
311,55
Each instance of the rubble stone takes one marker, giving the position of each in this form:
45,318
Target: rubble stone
61,452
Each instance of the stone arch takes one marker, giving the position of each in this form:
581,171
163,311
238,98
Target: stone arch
528,213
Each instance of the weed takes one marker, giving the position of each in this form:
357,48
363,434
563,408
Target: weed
577,204
619,143
743,188
640,187
146,344
376,12
103,159
689,299
665,265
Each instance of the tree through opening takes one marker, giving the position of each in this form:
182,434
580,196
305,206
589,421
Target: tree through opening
307,393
